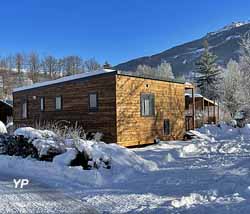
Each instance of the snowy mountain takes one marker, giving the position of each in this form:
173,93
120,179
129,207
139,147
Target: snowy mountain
223,42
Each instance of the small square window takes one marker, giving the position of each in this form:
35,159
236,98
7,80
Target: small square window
42,103
59,103
93,102
147,105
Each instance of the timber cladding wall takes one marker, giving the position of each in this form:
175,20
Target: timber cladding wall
134,129
119,107
75,95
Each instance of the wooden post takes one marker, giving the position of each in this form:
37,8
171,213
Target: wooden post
214,116
218,112
203,111
208,112
193,108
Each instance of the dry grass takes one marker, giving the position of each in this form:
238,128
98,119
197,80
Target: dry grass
63,129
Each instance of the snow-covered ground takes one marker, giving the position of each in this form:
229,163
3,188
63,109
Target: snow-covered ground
210,174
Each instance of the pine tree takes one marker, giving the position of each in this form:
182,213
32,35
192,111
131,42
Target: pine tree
107,65
208,73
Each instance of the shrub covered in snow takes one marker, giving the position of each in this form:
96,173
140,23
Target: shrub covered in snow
10,127
46,142
5,140
31,133
3,129
66,158
98,155
17,146
91,151
75,150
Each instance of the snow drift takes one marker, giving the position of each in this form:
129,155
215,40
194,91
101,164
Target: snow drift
122,162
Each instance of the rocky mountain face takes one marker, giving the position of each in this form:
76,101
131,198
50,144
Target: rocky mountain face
224,43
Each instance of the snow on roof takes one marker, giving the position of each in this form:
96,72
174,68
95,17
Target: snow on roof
7,103
65,79
189,85
199,95
190,95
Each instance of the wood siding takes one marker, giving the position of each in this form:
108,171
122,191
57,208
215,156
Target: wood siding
132,128
119,108
74,105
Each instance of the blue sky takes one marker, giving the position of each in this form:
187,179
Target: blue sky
113,30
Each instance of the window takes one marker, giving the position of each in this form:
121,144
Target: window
24,109
147,105
166,127
42,103
59,103
93,102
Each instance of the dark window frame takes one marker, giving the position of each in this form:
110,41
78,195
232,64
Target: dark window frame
61,103
166,127
93,109
151,97
24,100
42,98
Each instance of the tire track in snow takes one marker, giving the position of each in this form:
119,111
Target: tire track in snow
37,198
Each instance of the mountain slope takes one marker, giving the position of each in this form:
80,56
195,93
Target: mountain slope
224,43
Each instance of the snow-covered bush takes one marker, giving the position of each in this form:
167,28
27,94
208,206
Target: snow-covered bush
20,146
5,140
46,142
49,144
10,127
75,150
91,154
32,134
3,129
66,158
85,154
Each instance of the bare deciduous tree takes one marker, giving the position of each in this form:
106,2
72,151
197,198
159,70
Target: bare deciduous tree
91,65
164,70
230,88
50,66
34,65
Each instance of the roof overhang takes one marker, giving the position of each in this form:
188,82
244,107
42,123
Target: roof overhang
199,97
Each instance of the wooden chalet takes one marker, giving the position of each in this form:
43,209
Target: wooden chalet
129,110
206,111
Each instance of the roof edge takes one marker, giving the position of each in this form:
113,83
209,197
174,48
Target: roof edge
122,73
70,78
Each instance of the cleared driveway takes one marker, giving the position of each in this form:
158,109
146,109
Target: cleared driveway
37,198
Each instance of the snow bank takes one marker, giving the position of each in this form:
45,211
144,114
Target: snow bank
123,161
191,200
65,158
222,139
221,132
195,199
125,165
58,174
31,133
3,129
108,161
